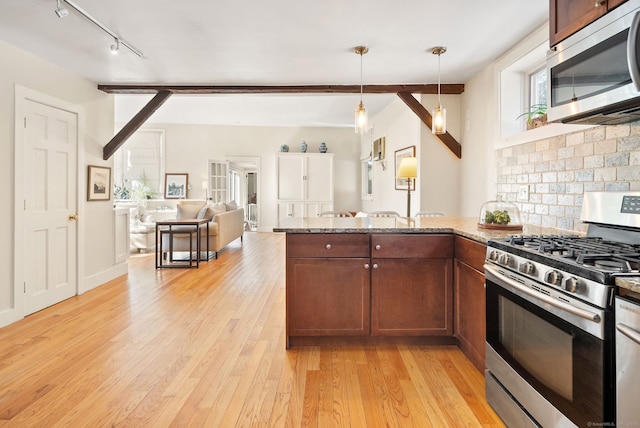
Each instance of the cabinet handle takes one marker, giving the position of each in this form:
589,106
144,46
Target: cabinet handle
366,265
328,246
378,247
375,265
600,3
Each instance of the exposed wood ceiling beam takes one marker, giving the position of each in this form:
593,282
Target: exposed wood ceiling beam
134,124
424,115
291,89
163,92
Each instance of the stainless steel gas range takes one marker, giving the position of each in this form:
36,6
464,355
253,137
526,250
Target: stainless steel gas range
550,317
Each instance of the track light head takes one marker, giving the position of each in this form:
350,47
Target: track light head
115,48
61,11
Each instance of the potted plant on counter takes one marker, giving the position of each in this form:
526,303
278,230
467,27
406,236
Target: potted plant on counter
536,116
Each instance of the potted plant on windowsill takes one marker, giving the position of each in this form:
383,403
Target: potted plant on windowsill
536,116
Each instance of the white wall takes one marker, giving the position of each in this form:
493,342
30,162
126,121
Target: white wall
95,227
440,179
479,131
401,128
190,147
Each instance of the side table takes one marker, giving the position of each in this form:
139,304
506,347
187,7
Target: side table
166,229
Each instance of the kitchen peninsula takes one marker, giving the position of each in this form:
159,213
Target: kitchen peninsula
388,280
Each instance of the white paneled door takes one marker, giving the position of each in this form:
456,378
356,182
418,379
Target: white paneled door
50,206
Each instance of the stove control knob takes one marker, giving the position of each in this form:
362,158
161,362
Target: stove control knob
527,268
553,277
504,259
571,285
493,255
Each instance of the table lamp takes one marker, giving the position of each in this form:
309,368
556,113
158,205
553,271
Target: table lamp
408,169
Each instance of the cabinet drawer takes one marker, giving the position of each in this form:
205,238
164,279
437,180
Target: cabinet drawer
410,246
471,252
327,245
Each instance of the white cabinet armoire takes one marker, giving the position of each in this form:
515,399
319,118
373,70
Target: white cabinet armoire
305,184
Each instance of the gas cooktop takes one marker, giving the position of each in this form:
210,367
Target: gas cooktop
589,257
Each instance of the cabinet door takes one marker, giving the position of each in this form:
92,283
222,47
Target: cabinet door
313,209
470,312
412,297
328,296
568,16
290,172
319,178
291,209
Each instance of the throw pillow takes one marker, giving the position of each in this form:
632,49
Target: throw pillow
231,205
187,211
214,210
203,212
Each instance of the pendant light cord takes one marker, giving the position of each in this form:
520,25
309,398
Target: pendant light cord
439,80
361,77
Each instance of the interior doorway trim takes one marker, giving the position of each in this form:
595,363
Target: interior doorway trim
256,161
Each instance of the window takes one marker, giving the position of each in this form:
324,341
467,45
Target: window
538,87
367,179
139,166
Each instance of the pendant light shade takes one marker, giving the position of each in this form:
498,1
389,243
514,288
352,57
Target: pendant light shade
361,119
439,113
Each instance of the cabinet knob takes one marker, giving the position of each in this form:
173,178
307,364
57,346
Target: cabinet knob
600,3
328,246
375,265
378,247
366,265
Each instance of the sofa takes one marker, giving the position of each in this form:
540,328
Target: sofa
226,224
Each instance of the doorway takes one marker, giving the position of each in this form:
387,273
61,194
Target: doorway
244,188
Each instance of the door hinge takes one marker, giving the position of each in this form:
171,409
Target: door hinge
24,287
25,205
25,121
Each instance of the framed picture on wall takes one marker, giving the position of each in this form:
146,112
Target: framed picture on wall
99,183
401,183
176,186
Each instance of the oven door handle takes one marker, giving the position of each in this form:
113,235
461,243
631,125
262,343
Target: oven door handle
629,332
588,315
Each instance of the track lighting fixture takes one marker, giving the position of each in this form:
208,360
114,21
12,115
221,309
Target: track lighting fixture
115,48
439,114
361,113
61,11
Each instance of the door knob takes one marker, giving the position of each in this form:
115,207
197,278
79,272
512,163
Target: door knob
73,216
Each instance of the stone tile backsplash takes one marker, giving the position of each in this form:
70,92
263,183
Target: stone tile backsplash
557,171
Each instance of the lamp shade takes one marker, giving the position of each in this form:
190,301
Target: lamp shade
408,167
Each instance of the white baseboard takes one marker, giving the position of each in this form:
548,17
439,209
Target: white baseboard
93,281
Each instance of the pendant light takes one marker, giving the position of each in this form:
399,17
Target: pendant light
439,114
361,120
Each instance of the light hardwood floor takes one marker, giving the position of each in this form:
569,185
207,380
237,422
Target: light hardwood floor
205,348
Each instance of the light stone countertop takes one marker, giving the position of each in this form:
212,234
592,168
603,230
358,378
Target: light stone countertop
631,283
463,226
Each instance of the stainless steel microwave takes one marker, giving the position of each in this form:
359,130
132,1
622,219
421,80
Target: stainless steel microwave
594,75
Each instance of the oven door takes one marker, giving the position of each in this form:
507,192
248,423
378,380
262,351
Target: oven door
556,370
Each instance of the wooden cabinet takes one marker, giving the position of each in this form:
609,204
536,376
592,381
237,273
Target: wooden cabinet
369,285
568,16
411,285
305,184
469,291
328,291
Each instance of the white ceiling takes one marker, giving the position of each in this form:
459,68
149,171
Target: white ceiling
277,42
